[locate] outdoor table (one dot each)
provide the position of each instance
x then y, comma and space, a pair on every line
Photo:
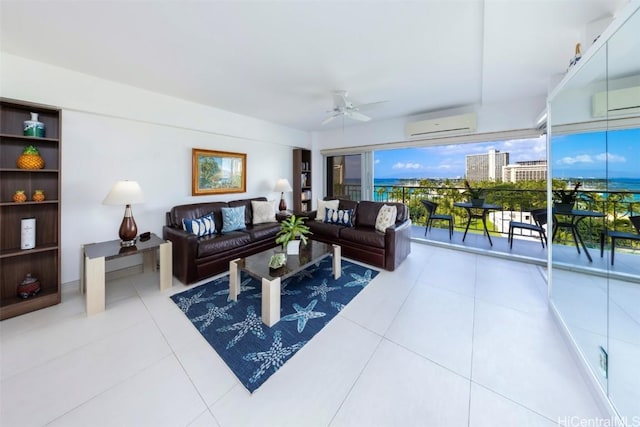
479, 212
575, 217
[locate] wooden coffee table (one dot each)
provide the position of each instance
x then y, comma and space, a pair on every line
257, 266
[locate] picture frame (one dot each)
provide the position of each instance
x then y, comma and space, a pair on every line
217, 172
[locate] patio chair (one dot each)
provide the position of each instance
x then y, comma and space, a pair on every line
432, 216
620, 235
539, 220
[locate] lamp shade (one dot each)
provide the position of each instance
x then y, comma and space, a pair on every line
283, 186
124, 193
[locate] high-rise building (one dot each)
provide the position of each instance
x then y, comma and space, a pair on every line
532, 170
486, 167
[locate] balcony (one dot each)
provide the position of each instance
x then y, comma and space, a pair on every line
616, 206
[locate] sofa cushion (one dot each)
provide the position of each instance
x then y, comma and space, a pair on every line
324, 229
218, 243
367, 214
248, 211
233, 219
263, 211
338, 216
200, 226
322, 205
386, 217
197, 210
263, 231
362, 236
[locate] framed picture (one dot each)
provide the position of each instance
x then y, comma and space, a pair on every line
217, 172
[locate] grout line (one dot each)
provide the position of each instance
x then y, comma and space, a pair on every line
348, 393
514, 402
173, 350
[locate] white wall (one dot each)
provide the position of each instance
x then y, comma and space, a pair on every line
112, 132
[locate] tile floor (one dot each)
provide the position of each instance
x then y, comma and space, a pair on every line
448, 339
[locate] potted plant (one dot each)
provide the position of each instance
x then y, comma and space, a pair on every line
564, 200
476, 195
292, 232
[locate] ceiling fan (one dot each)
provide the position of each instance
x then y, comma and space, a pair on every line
343, 106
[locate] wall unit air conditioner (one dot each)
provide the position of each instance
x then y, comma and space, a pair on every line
619, 102
444, 126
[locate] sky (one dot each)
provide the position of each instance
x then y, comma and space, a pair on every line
448, 161
576, 155
585, 155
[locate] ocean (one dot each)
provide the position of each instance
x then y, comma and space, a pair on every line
612, 185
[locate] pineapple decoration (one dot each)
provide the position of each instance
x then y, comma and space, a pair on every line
38, 196
19, 196
30, 159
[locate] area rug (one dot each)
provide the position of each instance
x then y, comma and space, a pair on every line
235, 330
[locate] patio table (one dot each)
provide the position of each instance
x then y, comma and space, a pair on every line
574, 217
479, 212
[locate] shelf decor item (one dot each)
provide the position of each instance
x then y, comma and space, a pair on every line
19, 196
28, 233
34, 127
29, 287
126, 193
30, 159
38, 196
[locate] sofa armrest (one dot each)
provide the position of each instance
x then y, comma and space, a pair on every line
397, 242
185, 248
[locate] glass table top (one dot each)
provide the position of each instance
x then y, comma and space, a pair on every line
112, 249
257, 265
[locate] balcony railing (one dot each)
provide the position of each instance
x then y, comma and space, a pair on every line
515, 205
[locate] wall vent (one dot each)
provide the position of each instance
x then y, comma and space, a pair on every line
616, 102
452, 125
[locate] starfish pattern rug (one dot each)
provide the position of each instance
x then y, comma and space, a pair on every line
251, 349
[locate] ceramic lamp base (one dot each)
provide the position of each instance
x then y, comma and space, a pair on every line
128, 229
283, 204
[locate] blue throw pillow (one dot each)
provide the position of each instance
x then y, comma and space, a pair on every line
200, 226
338, 216
233, 219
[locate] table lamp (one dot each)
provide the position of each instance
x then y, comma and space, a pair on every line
126, 193
282, 185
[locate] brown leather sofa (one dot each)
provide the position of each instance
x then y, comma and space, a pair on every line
196, 258
362, 241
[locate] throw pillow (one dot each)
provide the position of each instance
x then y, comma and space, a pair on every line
322, 205
202, 226
386, 217
339, 216
232, 219
263, 211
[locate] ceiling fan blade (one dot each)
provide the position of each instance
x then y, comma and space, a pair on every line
368, 105
358, 116
330, 118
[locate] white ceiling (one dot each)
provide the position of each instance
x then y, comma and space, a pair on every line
280, 60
